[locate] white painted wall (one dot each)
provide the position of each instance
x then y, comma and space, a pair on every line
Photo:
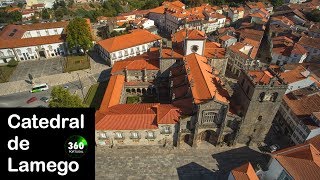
42, 32
190, 43
298, 85
274, 170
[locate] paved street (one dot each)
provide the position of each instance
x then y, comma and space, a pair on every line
37, 68
20, 99
160, 163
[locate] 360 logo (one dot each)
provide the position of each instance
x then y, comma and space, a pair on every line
76, 146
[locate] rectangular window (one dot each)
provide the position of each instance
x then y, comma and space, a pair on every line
150, 135
103, 135
118, 135
134, 135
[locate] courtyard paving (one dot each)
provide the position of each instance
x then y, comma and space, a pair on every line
163, 163
37, 68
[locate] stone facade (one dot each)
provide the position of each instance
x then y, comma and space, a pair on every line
165, 135
259, 105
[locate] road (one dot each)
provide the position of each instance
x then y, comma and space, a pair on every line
20, 99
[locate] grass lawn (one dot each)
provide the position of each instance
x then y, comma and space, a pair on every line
74, 63
95, 95
5, 73
133, 99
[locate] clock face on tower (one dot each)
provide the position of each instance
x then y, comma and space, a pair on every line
194, 48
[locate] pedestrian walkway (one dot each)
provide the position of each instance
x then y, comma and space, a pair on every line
56, 79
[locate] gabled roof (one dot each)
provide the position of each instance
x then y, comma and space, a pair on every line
204, 84
304, 106
293, 75
260, 77
214, 50
226, 37
136, 116
136, 63
310, 42
244, 172
188, 33
301, 161
113, 92
137, 37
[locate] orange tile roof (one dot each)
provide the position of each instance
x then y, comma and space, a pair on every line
7, 40
214, 50
251, 34
191, 33
304, 106
244, 172
226, 37
136, 116
136, 63
260, 77
315, 141
25, 42
253, 5
166, 53
301, 161
135, 38
293, 75
159, 10
113, 93
311, 42
204, 84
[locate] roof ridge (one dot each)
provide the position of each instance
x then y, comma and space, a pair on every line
202, 73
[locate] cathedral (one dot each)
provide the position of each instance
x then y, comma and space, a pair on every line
193, 101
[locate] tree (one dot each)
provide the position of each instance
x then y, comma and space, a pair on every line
78, 34
314, 15
70, 3
58, 14
34, 19
15, 16
277, 3
61, 98
45, 14
20, 4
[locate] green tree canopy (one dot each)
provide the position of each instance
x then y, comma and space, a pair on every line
277, 3
61, 98
314, 15
78, 34
45, 14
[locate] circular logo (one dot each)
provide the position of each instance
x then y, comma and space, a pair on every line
76, 146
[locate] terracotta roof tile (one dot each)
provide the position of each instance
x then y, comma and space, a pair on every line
315, 141
136, 116
304, 106
244, 172
179, 36
204, 85
311, 42
136, 63
135, 38
14, 43
293, 75
301, 161
260, 77
113, 93
214, 50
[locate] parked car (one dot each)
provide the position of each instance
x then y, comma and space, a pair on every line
31, 100
66, 87
274, 147
44, 99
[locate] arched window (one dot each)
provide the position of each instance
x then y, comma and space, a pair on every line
10, 53
260, 118
261, 96
274, 97
18, 51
